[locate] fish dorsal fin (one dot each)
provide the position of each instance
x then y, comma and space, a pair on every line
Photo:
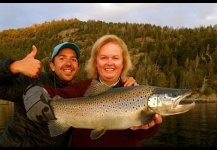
97, 133
96, 88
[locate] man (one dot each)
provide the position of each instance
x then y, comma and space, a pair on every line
16, 76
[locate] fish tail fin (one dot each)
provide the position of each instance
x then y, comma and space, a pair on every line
56, 128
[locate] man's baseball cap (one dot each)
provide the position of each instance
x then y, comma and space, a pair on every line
60, 46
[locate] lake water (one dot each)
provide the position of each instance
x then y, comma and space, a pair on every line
196, 128
6, 112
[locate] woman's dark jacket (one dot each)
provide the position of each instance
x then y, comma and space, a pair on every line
21, 131
112, 138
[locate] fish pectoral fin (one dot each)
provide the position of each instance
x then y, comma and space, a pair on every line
95, 134
147, 116
56, 128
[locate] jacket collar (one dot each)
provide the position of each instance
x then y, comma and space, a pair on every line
113, 85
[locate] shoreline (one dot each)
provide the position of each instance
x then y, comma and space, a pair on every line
200, 100
212, 98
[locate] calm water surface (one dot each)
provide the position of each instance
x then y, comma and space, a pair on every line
6, 112
196, 128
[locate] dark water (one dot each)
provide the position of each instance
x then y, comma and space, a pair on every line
196, 128
6, 112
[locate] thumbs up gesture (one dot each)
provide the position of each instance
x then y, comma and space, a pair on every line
28, 66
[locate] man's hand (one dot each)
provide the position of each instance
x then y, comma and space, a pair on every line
36, 104
28, 66
156, 120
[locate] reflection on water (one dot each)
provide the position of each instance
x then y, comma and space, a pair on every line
6, 111
196, 128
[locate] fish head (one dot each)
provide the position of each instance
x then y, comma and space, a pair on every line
166, 101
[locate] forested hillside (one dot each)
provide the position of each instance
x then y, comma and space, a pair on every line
162, 56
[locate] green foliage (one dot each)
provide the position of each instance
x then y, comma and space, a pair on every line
208, 91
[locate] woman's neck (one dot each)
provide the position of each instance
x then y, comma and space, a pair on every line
111, 84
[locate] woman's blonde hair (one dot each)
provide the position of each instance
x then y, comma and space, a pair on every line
91, 63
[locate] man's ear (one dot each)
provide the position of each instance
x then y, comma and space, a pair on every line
52, 66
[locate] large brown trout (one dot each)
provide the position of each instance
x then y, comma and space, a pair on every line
104, 108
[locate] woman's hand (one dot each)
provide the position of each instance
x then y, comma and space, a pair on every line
156, 120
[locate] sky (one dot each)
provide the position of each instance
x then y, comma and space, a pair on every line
176, 15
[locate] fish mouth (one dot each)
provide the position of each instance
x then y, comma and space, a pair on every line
180, 98
179, 107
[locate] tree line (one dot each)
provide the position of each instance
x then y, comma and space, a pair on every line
162, 56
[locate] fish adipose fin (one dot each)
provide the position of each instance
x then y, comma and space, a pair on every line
56, 128
57, 97
96, 88
97, 133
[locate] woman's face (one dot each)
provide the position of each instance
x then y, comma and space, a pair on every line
109, 63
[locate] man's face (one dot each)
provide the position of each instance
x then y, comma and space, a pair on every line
65, 64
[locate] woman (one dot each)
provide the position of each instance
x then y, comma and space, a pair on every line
109, 63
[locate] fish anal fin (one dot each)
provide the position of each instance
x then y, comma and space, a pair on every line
97, 133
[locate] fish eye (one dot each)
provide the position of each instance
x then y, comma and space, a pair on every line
174, 94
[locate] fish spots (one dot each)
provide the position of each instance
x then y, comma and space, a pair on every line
118, 108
